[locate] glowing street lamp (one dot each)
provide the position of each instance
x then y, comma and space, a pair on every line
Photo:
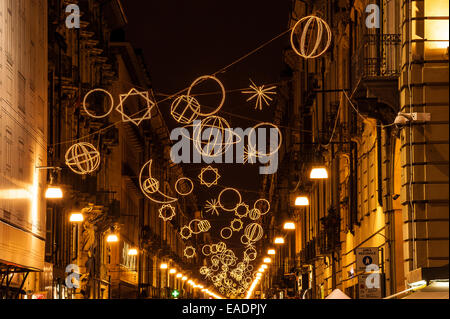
132, 252
289, 226
318, 173
184, 278
279, 240
179, 275
76, 217
271, 252
53, 192
163, 266
267, 260
301, 201
112, 238
172, 271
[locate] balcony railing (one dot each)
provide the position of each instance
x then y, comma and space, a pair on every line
377, 56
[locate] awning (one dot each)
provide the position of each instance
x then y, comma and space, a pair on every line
435, 290
337, 294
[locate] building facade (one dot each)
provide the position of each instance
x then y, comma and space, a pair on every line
23, 146
387, 185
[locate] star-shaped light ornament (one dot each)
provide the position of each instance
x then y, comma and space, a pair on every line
212, 181
212, 206
250, 155
260, 93
135, 118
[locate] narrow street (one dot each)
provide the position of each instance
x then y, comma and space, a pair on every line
183, 151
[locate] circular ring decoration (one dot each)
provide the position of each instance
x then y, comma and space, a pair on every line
223, 233
245, 240
200, 79
252, 149
259, 202
221, 246
180, 180
82, 158
189, 252
233, 190
178, 112
237, 227
191, 228
320, 25
97, 116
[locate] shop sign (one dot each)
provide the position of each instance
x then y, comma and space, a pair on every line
366, 256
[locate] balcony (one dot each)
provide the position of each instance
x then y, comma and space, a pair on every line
375, 72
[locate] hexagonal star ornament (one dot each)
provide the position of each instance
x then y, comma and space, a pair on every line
214, 181
134, 118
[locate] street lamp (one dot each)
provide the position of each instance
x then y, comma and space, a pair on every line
271, 252
53, 191
163, 266
76, 217
301, 201
318, 173
172, 271
132, 252
179, 275
279, 240
267, 260
289, 226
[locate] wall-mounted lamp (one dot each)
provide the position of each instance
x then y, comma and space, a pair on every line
318, 173
301, 201
279, 240
289, 226
76, 217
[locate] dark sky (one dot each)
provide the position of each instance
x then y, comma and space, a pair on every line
184, 39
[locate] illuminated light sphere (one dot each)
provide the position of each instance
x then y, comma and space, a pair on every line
289, 225
312, 33
254, 214
184, 109
150, 185
301, 201
213, 136
318, 173
53, 192
82, 158
254, 232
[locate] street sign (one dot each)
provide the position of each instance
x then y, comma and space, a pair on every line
364, 291
175, 293
366, 256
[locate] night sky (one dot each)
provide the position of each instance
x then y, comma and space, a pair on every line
184, 39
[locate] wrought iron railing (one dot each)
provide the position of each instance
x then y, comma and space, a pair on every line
377, 55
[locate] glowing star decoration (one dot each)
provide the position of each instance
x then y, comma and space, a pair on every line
150, 186
213, 180
189, 252
261, 94
184, 108
98, 116
236, 224
82, 158
166, 212
135, 119
187, 189
249, 156
185, 232
212, 206
308, 35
